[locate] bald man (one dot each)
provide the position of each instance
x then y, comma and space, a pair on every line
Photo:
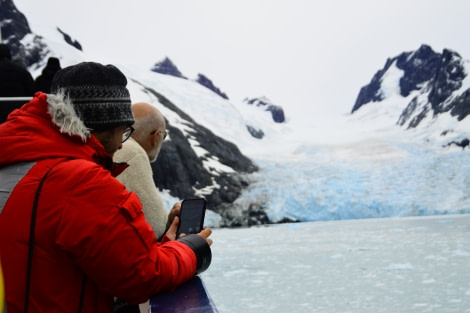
139, 151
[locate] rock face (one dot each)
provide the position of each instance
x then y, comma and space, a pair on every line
256, 133
219, 175
206, 82
186, 175
277, 112
14, 27
434, 81
437, 75
167, 67
14, 23
264, 105
69, 40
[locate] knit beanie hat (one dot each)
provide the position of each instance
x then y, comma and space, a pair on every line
98, 94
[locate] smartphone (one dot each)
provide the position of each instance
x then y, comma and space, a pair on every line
191, 216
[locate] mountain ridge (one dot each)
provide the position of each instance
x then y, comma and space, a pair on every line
182, 170
436, 84
255, 171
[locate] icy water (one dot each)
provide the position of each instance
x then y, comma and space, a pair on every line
392, 265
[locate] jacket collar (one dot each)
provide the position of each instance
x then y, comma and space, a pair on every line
65, 118
48, 127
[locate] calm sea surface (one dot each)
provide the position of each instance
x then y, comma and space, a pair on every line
391, 265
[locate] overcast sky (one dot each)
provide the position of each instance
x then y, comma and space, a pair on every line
298, 53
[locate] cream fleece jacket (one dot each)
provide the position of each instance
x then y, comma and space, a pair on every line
138, 178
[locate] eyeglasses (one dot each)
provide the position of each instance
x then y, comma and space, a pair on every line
164, 132
127, 133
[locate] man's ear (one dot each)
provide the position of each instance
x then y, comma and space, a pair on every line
154, 139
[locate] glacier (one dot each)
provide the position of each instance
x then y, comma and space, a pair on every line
331, 167
324, 166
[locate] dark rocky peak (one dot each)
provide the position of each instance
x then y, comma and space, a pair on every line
449, 77
276, 111
419, 66
430, 84
13, 23
372, 92
14, 27
442, 71
167, 67
69, 40
440, 92
206, 82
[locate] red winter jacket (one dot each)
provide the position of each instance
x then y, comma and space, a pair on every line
90, 231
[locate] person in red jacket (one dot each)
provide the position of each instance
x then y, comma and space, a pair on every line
71, 236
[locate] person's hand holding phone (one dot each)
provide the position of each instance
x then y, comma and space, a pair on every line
192, 214
171, 233
175, 211
190, 220
205, 233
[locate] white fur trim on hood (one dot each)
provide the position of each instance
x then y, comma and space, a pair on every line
64, 116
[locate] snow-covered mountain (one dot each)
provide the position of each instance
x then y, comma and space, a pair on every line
431, 88
261, 166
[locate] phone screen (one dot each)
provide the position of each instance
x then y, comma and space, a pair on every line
192, 216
